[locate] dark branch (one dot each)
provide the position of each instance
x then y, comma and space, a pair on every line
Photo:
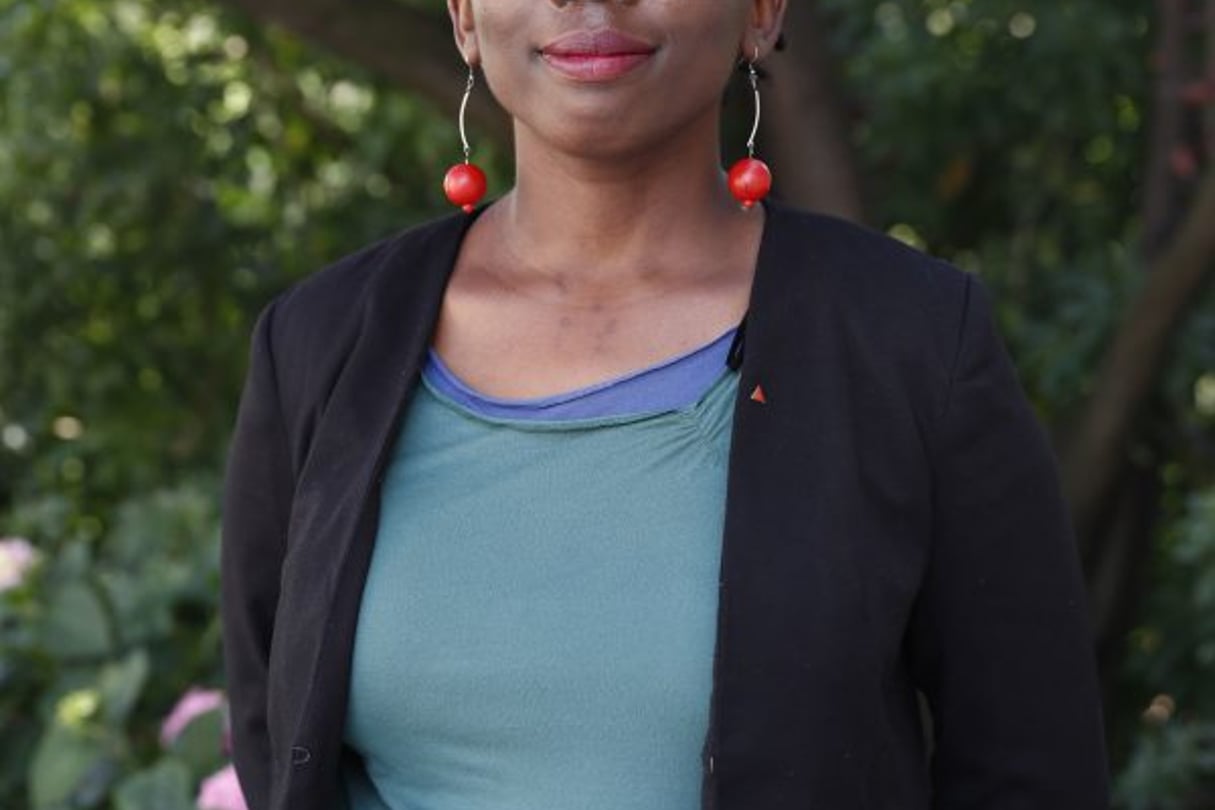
412, 48
1129, 370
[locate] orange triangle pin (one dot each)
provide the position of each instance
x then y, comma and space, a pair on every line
758, 395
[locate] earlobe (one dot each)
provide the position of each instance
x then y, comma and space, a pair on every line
471, 51
753, 49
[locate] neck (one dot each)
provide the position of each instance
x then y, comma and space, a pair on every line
619, 220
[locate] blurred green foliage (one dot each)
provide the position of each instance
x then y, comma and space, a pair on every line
97, 643
165, 166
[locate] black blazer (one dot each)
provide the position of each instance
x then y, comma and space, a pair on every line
894, 523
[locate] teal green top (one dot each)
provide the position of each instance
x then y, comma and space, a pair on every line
538, 621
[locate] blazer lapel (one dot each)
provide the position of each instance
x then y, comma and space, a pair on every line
798, 639
775, 564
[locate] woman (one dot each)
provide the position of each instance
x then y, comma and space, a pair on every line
518, 514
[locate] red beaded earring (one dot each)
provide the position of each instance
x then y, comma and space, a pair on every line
465, 183
750, 178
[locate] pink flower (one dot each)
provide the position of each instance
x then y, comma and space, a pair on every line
17, 556
221, 791
193, 703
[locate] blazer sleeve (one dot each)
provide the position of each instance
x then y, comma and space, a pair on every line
257, 493
1000, 639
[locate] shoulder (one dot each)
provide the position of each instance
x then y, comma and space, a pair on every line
857, 301
333, 298
310, 330
878, 288
859, 263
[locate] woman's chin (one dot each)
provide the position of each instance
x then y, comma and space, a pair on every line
594, 143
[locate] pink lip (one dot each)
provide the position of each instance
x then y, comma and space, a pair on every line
596, 56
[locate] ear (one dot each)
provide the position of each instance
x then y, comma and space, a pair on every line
464, 27
767, 18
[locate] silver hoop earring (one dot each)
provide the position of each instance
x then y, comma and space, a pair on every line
750, 179
465, 183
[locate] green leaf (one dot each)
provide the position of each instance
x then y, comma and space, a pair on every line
72, 767
76, 624
200, 744
120, 685
164, 786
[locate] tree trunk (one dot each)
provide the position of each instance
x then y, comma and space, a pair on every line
1093, 455
806, 132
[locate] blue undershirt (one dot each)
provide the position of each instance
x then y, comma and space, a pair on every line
669, 385
538, 622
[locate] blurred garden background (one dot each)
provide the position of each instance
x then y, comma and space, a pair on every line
168, 165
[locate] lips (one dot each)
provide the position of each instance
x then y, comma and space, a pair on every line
596, 56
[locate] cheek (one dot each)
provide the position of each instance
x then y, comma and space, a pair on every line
702, 60
707, 43
505, 47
